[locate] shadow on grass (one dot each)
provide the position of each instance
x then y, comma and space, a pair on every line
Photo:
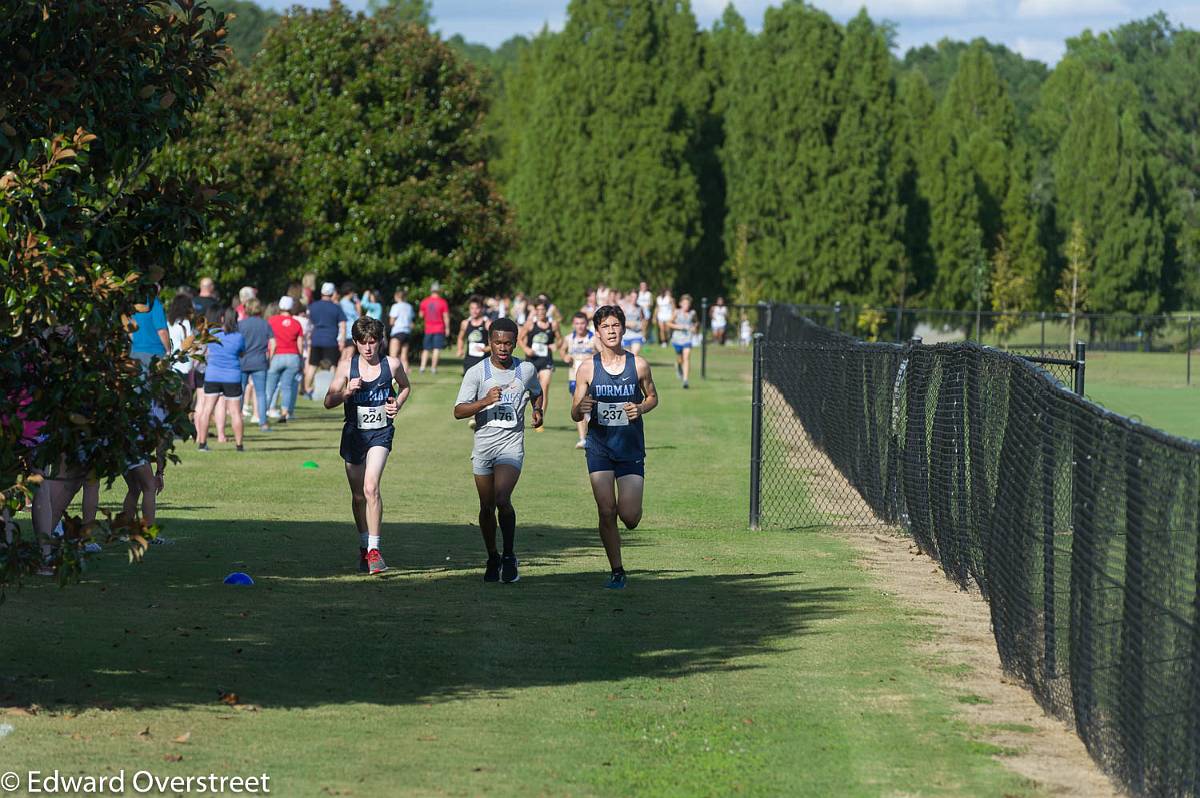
312, 631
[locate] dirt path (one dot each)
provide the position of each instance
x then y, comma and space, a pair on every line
963, 651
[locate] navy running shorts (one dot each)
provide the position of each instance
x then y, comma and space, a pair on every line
596, 461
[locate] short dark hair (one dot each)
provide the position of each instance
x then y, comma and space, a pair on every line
604, 312
347, 288
366, 328
580, 315
476, 299
503, 325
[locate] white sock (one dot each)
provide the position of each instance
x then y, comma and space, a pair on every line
372, 542
362, 540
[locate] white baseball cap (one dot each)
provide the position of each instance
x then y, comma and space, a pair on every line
286, 303
327, 289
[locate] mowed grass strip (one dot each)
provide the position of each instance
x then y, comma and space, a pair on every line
759, 663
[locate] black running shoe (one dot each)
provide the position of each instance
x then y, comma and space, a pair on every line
492, 573
508, 568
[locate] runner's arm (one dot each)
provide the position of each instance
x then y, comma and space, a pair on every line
337, 387
462, 332
649, 392
581, 402
465, 407
401, 378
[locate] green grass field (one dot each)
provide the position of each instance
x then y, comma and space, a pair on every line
757, 663
1151, 387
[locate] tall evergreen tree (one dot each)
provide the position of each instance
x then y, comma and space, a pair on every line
915, 107
603, 188
981, 122
778, 155
1103, 178
863, 197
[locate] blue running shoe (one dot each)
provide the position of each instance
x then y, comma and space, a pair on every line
616, 581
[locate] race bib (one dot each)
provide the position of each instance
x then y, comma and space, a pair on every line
541, 350
502, 416
611, 414
372, 417
475, 349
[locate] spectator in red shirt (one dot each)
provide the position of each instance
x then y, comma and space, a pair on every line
284, 353
435, 313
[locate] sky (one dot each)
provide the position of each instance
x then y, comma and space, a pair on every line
1035, 28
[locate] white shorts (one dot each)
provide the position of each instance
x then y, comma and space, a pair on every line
633, 339
485, 459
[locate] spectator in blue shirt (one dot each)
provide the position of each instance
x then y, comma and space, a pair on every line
327, 337
223, 379
349, 304
150, 339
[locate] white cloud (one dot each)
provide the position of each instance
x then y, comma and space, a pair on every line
1068, 9
912, 9
1048, 51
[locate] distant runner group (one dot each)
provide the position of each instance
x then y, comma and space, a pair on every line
261, 357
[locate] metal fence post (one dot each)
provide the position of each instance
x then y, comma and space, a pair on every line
837, 316
899, 323
1080, 365
764, 318
1189, 352
703, 337
756, 432
1043, 333
1049, 619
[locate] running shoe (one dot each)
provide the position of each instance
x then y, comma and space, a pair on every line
492, 572
272, 414
508, 568
685, 385
159, 540
679, 371
241, 448
540, 429
92, 548
362, 562
616, 581
203, 448
264, 428
375, 563
283, 419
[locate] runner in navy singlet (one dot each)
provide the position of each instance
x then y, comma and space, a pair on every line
613, 391
472, 335
363, 383
538, 340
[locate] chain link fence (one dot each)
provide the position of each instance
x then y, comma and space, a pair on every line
1081, 528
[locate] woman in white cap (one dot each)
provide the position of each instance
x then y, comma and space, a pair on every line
284, 354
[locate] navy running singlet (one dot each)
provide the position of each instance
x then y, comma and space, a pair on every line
367, 423
610, 432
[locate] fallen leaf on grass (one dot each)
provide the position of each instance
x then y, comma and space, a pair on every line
247, 707
427, 738
183, 738
22, 712
172, 757
144, 733
229, 698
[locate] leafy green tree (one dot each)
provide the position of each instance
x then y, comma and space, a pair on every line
938, 63
862, 191
915, 108
357, 150
1152, 67
248, 23
778, 154
1071, 296
947, 179
603, 186
263, 241
1010, 291
1103, 179
980, 123
89, 94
